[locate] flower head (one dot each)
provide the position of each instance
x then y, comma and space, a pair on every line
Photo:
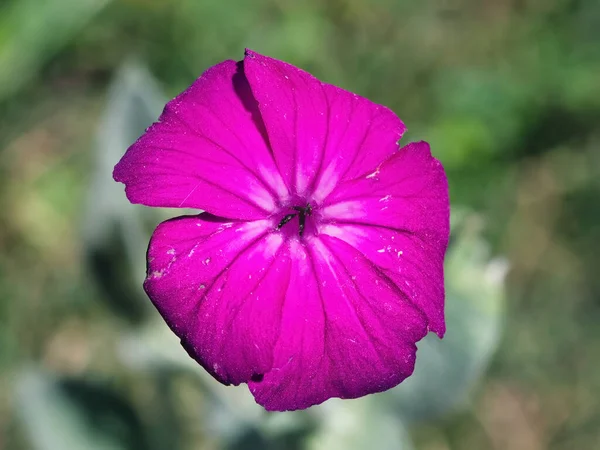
318, 262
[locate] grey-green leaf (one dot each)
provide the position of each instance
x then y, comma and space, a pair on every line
67, 414
32, 31
446, 370
115, 232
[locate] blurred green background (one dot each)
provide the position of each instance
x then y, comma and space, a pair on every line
506, 91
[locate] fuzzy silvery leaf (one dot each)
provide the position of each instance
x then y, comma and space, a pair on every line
446, 371
115, 234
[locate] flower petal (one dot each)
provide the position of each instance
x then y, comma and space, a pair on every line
398, 217
207, 151
346, 331
319, 133
294, 108
220, 285
362, 134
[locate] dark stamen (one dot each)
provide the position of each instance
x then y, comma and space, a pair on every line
301, 222
303, 211
285, 220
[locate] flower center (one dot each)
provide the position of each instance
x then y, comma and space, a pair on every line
302, 213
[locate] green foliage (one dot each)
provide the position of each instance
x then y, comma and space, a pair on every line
509, 97
447, 370
61, 414
32, 31
115, 236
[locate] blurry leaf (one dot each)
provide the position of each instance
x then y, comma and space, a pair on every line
32, 31
480, 115
462, 140
357, 425
230, 30
250, 440
114, 233
254, 439
447, 369
298, 35
230, 412
73, 414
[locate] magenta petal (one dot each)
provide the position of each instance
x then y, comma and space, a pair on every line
319, 263
294, 108
346, 330
207, 152
398, 217
361, 135
319, 133
220, 286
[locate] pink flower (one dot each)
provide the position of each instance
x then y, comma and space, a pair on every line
318, 263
